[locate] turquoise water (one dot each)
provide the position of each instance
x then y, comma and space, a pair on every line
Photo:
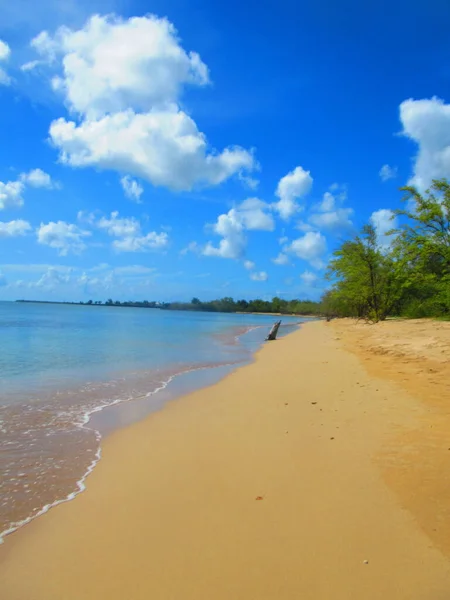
47, 345
65, 368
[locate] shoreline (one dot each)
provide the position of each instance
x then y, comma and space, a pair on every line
103, 419
269, 484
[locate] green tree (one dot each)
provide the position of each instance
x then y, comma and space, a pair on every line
276, 304
365, 282
422, 250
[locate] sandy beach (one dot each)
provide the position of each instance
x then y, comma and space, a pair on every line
320, 471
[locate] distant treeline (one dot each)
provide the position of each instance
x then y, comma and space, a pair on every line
227, 305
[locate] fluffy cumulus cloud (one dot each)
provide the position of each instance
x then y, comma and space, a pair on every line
427, 123
330, 215
310, 247
128, 233
384, 221
11, 192
259, 276
38, 178
249, 264
14, 228
333, 220
5, 52
252, 214
65, 237
123, 79
131, 188
233, 242
291, 187
135, 62
281, 259
387, 172
119, 227
328, 202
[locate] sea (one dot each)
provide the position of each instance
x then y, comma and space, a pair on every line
71, 374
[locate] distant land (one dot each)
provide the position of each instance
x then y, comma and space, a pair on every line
226, 305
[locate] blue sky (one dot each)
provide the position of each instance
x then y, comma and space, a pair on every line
161, 150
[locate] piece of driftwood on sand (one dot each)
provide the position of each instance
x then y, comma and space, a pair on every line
273, 332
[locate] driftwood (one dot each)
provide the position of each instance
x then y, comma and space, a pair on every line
273, 332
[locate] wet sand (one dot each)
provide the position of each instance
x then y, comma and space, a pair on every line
313, 473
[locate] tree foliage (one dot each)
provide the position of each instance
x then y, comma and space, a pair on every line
410, 277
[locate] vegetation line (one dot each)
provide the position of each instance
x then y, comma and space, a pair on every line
407, 273
227, 305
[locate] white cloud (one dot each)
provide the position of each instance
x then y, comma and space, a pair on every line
45, 46
249, 264
330, 216
11, 194
64, 237
335, 220
191, 247
143, 243
302, 226
309, 278
131, 188
233, 242
339, 191
119, 227
111, 64
124, 78
281, 259
129, 233
30, 66
292, 186
5, 79
99, 278
253, 215
384, 220
5, 52
52, 278
86, 217
38, 178
327, 203
250, 182
388, 172
310, 247
14, 228
427, 122
259, 276
164, 147
249, 215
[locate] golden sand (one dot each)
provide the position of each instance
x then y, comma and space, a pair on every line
280, 482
